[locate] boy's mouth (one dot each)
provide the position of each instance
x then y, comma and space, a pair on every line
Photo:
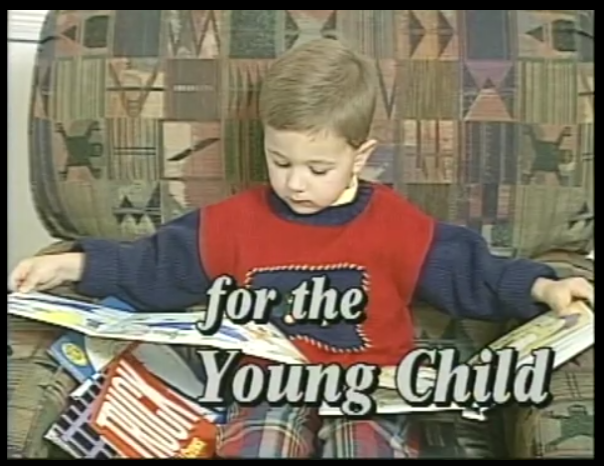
300, 202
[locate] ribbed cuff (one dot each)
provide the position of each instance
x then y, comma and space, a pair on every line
100, 276
515, 288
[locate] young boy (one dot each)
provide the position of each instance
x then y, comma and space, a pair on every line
316, 218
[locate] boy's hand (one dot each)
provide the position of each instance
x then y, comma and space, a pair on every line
46, 272
560, 294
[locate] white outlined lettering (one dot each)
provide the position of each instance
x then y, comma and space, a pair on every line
313, 301
295, 385
316, 302
497, 380
240, 305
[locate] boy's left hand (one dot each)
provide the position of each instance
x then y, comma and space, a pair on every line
560, 294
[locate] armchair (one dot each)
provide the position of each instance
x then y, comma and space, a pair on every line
484, 120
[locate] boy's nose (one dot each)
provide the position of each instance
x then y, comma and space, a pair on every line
295, 183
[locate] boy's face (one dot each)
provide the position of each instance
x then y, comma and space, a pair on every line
311, 171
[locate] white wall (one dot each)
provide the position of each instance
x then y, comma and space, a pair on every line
26, 235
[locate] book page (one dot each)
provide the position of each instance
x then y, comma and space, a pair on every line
262, 341
75, 315
568, 335
548, 330
176, 328
388, 376
390, 402
172, 328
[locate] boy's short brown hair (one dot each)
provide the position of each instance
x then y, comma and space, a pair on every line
321, 86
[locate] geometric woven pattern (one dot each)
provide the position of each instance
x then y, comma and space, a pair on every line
565, 428
141, 115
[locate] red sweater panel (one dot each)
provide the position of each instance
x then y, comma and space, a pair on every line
381, 250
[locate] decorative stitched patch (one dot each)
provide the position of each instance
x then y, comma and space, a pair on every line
341, 337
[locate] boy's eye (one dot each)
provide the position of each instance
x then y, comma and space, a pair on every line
316, 171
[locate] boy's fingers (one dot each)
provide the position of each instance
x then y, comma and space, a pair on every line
30, 282
587, 292
583, 289
18, 276
561, 303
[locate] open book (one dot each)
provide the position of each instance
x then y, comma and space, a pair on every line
568, 336
174, 328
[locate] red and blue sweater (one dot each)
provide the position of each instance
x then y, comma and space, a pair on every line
379, 242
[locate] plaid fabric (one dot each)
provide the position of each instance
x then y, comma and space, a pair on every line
292, 432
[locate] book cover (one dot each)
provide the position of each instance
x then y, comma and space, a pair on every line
143, 418
84, 357
73, 433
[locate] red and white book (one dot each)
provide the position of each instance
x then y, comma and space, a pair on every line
141, 417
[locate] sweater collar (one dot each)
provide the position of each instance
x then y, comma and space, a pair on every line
352, 203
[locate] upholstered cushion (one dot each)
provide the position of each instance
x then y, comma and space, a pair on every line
37, 389
566, 427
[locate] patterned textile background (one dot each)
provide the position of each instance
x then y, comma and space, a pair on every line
486, 116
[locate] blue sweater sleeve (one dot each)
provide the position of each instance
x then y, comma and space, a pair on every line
462, 278
160, 272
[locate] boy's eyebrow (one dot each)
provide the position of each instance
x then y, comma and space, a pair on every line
321, 162
314, 161
276, 152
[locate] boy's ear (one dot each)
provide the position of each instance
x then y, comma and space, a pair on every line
363, 154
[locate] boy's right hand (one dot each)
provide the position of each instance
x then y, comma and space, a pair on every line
46, 272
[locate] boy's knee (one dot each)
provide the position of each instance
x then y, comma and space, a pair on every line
239, 440
380, 438
267, 433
